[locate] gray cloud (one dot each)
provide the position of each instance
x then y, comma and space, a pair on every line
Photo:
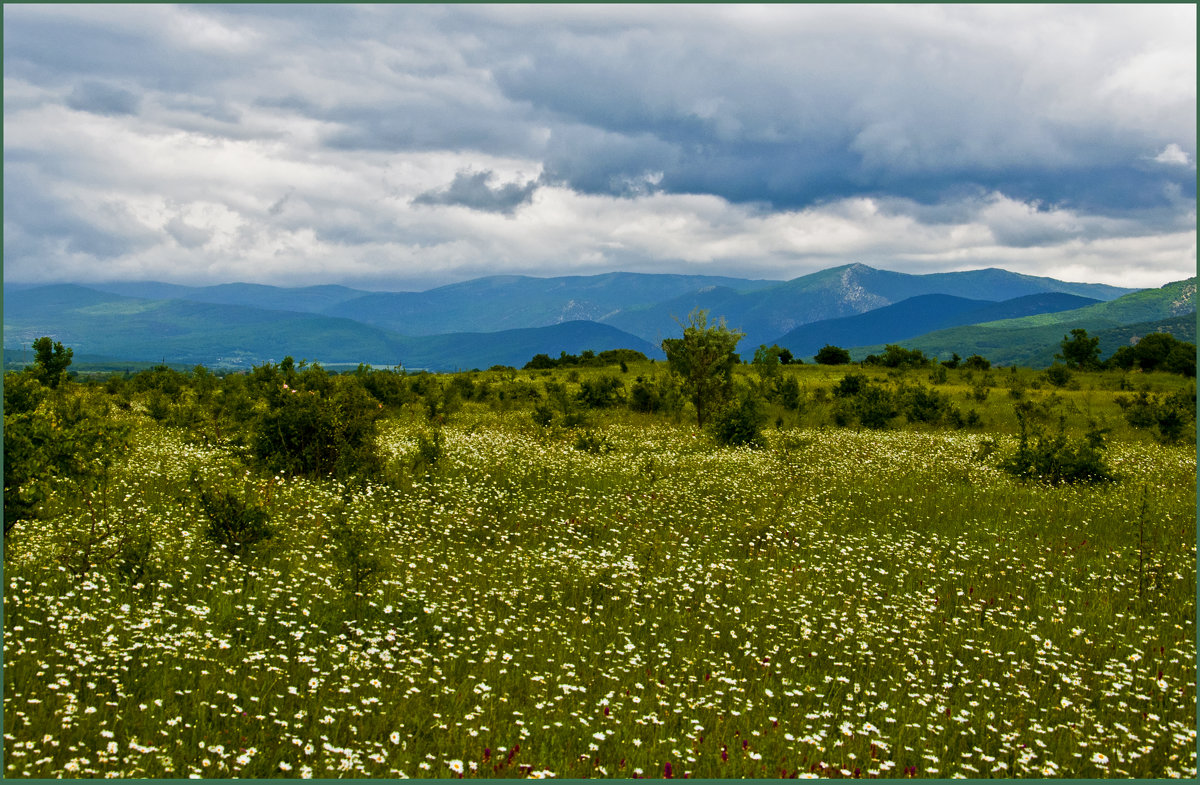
773, 138
471, 189
101, 98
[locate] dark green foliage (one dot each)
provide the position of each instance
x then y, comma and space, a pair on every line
953, 362
162, 378
832, 355
1058, 374
592, 441
357, 559
1079, 350
600, 392
740, 424
875, 406
1158, 351
389, 387
939, 374
542, 414
768, 361
704, 359
850, 385
921, 404
440, 402
28, 436
896, 356
861, 401
235, 522
1172, 417
429, 452
585, 359
51, 361
976, 363
55, 434
313, 433
1053, 457
787, 393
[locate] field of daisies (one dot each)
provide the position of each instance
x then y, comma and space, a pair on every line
836, 603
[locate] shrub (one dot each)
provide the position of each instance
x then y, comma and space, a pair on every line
234, 522
788, 393
850, 385
592, 441
896, 356
600, 392
976, 363
1055, 459
1172, 417
741, 423
644, 397
875, 407
921, 404
357, 561
310, 434
1058, 374
429, 452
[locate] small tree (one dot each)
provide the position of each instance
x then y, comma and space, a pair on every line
832, 355
767, 360
1080, 351
51, 361
704, 359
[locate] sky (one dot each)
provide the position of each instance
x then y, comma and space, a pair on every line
403, 147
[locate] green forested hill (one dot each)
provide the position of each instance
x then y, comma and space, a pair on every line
1034, 340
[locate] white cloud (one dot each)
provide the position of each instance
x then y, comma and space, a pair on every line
1174, 155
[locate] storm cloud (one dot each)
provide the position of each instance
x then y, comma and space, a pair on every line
472, 190
398, 146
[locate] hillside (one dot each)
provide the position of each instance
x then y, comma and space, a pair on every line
512, 301
189, 332
1034, 340
918, 315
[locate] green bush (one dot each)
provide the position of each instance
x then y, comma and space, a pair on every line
311, 434
741, 423
600, 392
234, 522
1172, 417
1054, 458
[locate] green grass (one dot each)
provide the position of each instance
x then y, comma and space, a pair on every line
840, 601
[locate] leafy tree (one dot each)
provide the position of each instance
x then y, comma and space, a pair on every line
953, 362
832, 355
1080, 351
704, 359
51, 361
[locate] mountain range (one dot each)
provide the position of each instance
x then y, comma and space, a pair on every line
505, 320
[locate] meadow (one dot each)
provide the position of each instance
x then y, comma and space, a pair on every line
612, 593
